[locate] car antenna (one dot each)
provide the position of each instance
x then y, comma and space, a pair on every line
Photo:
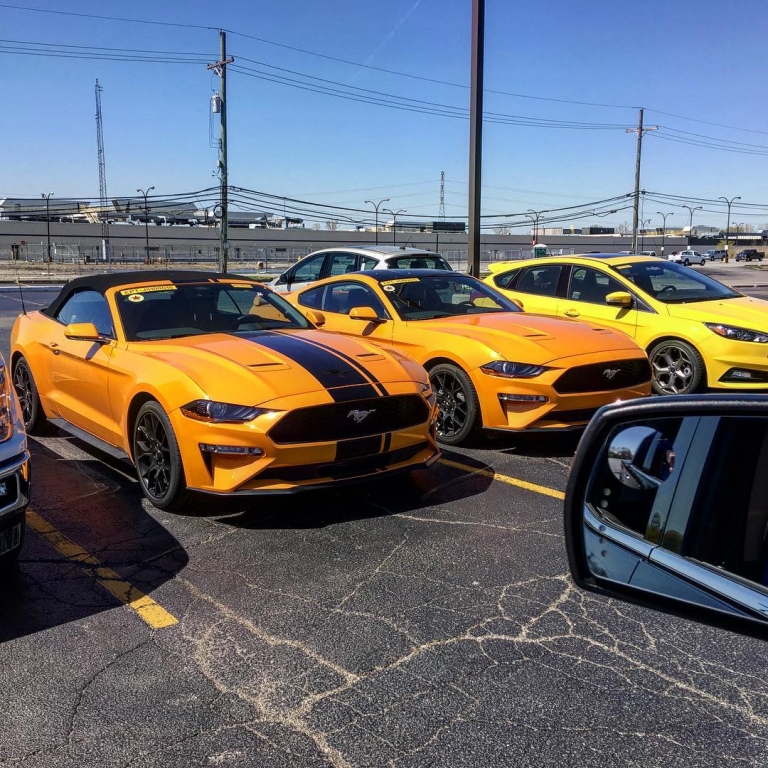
405, 245
21, 293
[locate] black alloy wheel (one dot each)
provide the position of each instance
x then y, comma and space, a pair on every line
32, 413
459, 410
157, 458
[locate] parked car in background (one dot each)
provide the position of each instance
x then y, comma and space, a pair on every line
338, 261
492, 366
749, 254
687, 258
716, 255
214, 383
698, 333
648, 253
14, 470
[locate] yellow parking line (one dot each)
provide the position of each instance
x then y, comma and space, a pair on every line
152, 613
505, 479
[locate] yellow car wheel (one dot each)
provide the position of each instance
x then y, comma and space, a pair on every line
459, 412
678, 368
157, 458
35, 422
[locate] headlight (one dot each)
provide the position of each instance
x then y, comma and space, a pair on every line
737, 334
513, 370
6, 405
221, 413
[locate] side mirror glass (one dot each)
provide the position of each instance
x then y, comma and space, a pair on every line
667, 505
82, 332
622, 298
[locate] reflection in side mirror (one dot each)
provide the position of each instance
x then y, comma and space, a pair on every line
667, 504
641, 457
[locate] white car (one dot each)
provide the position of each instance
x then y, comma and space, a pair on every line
337, 261
687, 258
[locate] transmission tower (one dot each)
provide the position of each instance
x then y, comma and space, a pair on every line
102, 174
441, 214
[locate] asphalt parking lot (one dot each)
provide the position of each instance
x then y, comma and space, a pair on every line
428, 622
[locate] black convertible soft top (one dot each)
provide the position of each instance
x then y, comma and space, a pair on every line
103, 282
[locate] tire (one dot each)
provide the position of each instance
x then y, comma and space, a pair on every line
702, 262
8, 560
157, 458
459, 415
678, 368
687, 263
35, 422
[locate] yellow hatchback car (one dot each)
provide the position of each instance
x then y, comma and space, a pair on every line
491, 365
696, 331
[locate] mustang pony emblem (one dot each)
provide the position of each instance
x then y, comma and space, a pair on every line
359, 415
609, 373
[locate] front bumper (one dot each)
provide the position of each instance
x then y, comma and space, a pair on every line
14, 498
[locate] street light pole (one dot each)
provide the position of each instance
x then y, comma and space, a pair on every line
394, 221
535, 217
376, 206
643, 224
728, 224
664, 228
48, 221
690, 223
146, 223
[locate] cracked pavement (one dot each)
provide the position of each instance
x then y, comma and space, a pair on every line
422, 623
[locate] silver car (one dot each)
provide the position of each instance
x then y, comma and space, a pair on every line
337, 261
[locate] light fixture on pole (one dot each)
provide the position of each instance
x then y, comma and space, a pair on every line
690, 223
643, 224
394, 221
146, 223
728, 224
535, 219
376, 206
664, 228
48, 221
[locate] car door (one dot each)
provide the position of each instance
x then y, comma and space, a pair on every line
585, 300
301, 275
337, 300
537, 287
80, 370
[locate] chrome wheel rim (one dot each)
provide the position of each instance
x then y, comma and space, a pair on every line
452, 404
672, 369
22, 383
153, 455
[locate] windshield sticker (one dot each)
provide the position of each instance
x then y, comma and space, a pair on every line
149, 289
241, 285
135, 297
385, 283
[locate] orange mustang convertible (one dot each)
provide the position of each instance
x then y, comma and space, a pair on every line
491, 365
214, 383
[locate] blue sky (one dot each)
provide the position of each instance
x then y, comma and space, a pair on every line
694, 65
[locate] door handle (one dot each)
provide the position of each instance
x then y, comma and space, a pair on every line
572, 312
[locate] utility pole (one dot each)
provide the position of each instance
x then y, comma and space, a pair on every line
48, 221
475, 136
102, 178
636, 213
441, 213
220, 68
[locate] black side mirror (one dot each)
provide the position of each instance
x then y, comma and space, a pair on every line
667, 506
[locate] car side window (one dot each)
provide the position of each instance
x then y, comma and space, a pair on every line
541, 281
87, 307
309, 270
592, 285
507, 279
366, 262
341, 263
340, 298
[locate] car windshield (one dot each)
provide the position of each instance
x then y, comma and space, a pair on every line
673, 283
429, 296
170, 311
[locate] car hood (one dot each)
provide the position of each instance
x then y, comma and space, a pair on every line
268, 365
743, 311
530, 337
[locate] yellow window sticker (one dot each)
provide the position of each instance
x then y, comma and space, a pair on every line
241, 285
401, 280
148, 289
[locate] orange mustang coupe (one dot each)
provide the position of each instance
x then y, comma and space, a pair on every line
214, 383
491, 365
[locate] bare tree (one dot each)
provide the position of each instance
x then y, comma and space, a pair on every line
623, 228
332, 224
501, 230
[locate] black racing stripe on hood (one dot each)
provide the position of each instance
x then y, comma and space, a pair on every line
355, 363
332, 371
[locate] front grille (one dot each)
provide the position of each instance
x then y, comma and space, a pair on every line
342, 421
569, 417
339, 470
599, 377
